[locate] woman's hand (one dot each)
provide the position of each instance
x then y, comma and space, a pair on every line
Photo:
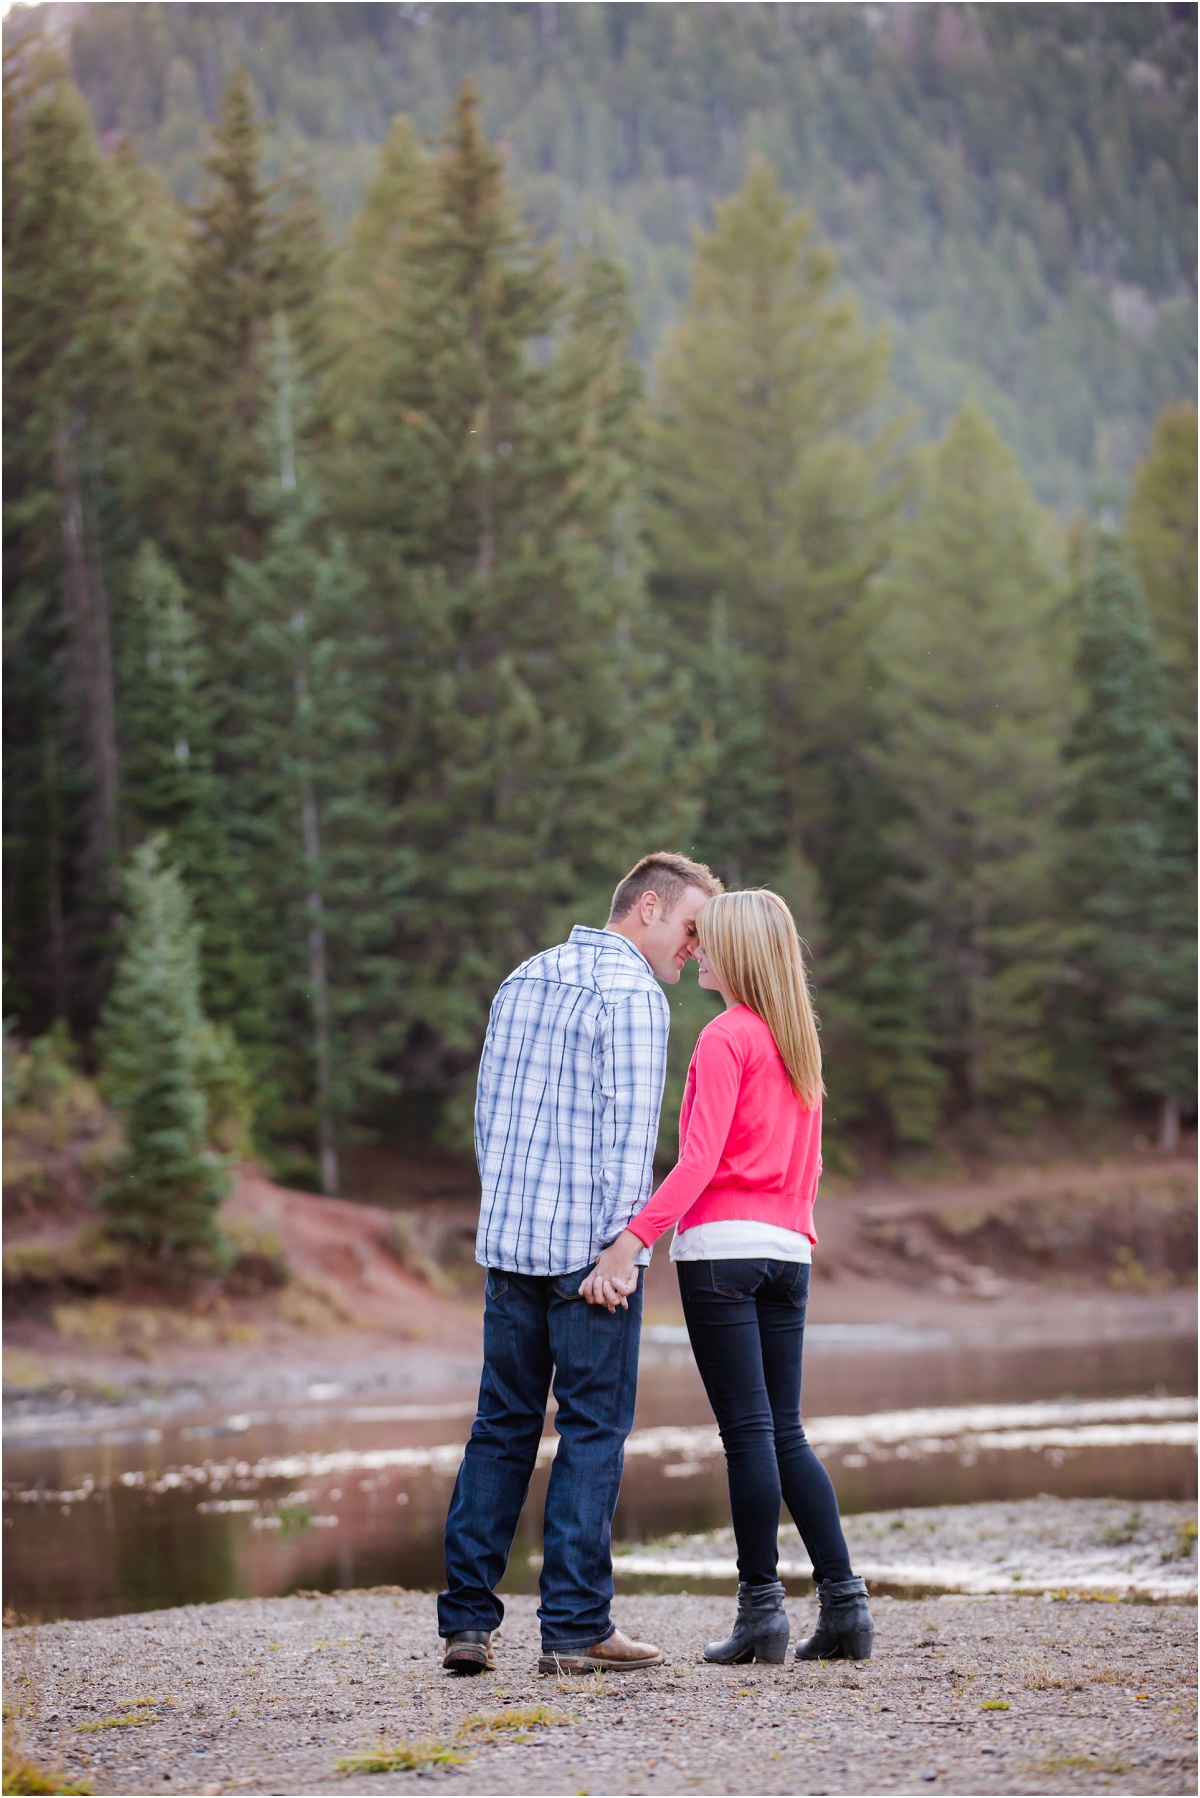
615, 1274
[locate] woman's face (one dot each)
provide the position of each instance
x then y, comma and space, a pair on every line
709, 980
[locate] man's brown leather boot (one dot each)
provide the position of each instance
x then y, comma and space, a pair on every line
469, 1651
616, 1654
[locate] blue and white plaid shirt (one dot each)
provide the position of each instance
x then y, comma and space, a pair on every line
566, 1110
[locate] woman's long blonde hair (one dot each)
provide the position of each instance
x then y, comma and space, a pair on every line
755, 953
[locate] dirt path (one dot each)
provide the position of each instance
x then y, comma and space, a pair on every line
968, 1695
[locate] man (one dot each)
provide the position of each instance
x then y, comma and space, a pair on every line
566, 1119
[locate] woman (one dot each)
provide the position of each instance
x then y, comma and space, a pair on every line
742, 1197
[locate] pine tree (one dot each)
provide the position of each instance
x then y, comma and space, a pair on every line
165, 713
167, 710
1128, 866
1160, 529
487, 477
71, 275
252, 250
774, 493
306, 814
975, 697
770, 498
168, 1188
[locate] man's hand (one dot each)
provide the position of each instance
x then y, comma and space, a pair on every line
615, 1274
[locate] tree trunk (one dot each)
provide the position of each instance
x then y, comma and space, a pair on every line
59, 966
318, 970
1168, 1128
90, 648
319, 975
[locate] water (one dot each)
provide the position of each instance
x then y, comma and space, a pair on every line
133, 1514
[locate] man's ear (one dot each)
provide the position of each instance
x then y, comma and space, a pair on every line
650, 906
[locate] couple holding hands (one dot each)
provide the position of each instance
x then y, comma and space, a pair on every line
566, 1121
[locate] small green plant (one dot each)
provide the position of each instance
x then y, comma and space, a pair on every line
1042, 1676
1126, 1531
1087, 1763
995, 1704
22, 1774
401, 1757
1184, 1543
135, 1719
473, 1732
493, 1726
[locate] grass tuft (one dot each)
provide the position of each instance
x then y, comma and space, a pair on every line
995, 1704
401, 1757
473, 1732
1184, 1543
1086, 1763
22, 1774
492, 1726
1125, 1531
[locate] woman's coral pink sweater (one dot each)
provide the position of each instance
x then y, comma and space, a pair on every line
748, 1146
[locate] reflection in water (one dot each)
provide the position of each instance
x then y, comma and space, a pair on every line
107, 1521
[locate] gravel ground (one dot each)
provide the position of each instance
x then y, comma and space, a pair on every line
965, 1694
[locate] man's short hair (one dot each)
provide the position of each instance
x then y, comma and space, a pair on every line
667, 875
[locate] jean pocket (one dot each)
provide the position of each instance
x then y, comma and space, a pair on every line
794, 1285
734, 1279
567, 1285
497, 1283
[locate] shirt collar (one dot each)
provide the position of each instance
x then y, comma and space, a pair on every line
587, 933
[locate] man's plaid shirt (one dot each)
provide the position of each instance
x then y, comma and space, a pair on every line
566, 1111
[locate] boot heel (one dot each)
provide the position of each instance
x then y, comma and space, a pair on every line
772, 1650
857, 1647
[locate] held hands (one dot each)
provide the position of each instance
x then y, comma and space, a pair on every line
615, 1274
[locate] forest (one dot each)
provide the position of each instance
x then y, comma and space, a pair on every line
372, 604
1010, 189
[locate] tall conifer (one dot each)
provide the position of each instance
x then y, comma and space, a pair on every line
251, 251
1128, 867
168, 1186
71, 279
487, 475
306, 816
975, 704
770, 497
1160, 529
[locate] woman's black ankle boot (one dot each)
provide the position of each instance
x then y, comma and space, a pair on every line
761, 1631
845, 1628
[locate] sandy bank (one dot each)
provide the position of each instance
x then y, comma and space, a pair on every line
968, 1695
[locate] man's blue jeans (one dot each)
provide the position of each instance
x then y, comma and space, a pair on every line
537, 1329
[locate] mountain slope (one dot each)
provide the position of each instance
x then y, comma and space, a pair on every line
1013, 187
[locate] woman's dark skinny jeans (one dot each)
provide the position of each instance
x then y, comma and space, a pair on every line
746, 1323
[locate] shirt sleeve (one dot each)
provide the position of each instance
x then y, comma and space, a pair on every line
483, 1088
633, 1067
718, 1070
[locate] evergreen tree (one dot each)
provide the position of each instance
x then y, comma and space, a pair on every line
976, 685
166, 727
251, 251
1160, 529
168, 1187
1128, 866
770, 502
486, 473
774, 493
71, 274
167, 708
306, 814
